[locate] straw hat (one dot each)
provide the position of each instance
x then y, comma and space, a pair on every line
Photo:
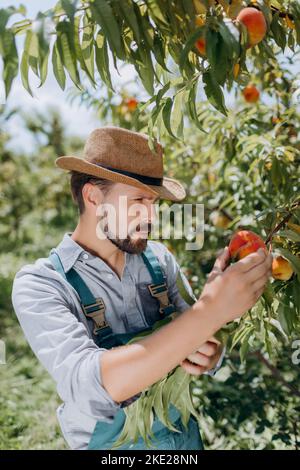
124, 156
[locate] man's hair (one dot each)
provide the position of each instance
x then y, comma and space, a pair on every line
78, 180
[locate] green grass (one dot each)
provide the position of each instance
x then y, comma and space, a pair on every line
28, 399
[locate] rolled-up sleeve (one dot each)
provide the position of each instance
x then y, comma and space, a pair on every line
61, 343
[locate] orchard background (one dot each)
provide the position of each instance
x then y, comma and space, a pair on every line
221, 93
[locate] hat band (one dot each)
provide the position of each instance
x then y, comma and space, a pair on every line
143, 179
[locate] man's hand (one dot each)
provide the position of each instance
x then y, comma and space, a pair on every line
204, 359
232, 290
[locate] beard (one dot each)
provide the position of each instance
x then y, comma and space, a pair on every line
128, 244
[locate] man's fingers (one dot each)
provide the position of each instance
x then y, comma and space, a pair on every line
214, 340
208, 349
222, 260
258, 271
258, 293
192, 368
201, 359
260, 282
250, 261
267, 262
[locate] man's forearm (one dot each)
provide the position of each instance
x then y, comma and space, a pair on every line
130, 369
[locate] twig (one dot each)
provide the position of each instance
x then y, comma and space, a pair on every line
282, 223
275, 372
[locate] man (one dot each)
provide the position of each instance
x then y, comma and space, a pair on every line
94, 381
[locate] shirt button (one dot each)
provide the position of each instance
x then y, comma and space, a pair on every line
110, 276
85, 256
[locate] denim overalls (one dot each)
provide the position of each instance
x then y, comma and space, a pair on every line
106, 434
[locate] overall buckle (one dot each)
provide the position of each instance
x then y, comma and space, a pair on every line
160, 291
96, 312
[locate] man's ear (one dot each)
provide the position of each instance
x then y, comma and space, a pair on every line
92, 194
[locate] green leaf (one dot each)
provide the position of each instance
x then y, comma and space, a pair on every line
58, 68
105, 17
66, 49
177, 116
278, 31
88, 49
185, 290
145, 70
10, 59
42, 49
87, 64
166, 115
190, 44
5, 14
44, 68
161, 92
33, 54
214, 92
25, 62
285, 319
159, 51
151, 122
70, 8
102, 60
217, 55
290, 235
128, 12
191, 105
245, 346
240, 334
161, 406
146, 28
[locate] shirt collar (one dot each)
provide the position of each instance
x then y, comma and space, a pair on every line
69, 252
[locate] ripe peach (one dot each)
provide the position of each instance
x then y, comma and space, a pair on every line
199, 21
131, 104
281, 268
290, 24
201, 46
243, 243
255, 23
251, 94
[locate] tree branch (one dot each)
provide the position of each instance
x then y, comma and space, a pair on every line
282, 222
275, 372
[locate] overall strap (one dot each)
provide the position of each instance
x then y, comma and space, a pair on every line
93, 308
158, 288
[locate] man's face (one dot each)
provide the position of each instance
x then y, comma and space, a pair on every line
126, 216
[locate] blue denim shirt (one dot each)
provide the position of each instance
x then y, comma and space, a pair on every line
49, 312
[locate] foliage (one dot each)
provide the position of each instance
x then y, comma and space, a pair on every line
81, 39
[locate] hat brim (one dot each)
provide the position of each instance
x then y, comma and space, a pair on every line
170, 189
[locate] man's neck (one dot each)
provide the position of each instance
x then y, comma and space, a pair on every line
85, 235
